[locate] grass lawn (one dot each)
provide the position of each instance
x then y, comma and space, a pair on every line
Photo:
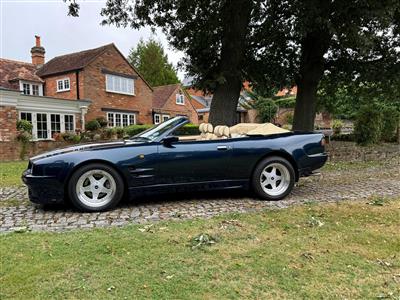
10, 172
347, 250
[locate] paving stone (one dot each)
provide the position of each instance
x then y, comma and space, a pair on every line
332, 186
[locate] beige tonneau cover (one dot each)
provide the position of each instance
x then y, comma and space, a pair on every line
266, 129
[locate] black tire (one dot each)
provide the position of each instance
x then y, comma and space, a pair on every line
112, 178
285, 171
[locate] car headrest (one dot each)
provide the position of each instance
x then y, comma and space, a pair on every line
201, 127
224, 131
216, 130
209, 128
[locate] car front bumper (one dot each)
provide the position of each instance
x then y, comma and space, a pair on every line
43, 189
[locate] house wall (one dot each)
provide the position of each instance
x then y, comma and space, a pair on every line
171, 108
50, 86
8, 123
95, 89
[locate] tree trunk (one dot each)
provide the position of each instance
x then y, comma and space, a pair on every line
314, 46
235, 20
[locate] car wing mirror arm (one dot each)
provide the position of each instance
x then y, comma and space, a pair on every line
169, 140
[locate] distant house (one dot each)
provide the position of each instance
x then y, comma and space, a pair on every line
64, 93
170, 101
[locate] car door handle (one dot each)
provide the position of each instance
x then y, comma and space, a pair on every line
222, 148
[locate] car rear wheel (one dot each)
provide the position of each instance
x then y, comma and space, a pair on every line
273, 178
95, 187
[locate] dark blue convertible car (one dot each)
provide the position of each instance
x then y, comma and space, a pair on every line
95, 177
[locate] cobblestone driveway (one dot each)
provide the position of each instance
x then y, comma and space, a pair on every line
16, 214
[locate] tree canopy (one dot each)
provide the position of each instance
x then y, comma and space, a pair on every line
271, 44
151, 61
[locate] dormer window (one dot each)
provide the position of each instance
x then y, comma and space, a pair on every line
29, 88
63, 85
180, 99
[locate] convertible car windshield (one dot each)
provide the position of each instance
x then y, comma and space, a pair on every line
162, 129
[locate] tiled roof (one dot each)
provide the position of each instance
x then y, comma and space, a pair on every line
162, 93
71, 62
205, 101
11, 71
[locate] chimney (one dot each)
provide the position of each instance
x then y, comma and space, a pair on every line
37, 53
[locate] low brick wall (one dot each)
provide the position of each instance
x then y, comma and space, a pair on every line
338, 151
349, 151
11, 150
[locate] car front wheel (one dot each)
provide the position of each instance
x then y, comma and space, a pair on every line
273, 178
95, 187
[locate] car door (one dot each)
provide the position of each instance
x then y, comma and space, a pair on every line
194, 161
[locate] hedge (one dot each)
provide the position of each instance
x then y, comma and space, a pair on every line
135, 129
188, 129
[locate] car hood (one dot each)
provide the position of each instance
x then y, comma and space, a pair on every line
82, 147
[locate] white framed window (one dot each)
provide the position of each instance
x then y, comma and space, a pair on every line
69, 123
26, 88
165, 118
157, 118
55, 122
63, 85
180, 99
120, 85
117, 119
45, 124
41, 126
29, 88
35, 89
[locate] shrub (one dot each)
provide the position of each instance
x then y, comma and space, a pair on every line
102, 121
368, 125
337, 126
92, 125
23, 137
188, 129
289, 118
24, 125
109, 133
71, 137
267, 109
390, 122
135, 129
120, 132
76, 138
287, 102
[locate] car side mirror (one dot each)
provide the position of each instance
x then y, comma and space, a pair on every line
169, 140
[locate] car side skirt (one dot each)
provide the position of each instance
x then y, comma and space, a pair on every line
189, 187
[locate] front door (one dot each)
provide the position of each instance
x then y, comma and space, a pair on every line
194, 161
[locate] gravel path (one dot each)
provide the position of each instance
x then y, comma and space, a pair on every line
16, 214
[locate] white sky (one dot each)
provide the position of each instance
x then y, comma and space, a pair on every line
21, 20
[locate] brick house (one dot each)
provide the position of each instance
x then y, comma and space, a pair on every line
104, 76
170, 101
64, 93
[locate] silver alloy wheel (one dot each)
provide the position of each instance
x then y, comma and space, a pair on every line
275, 179
95, 188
